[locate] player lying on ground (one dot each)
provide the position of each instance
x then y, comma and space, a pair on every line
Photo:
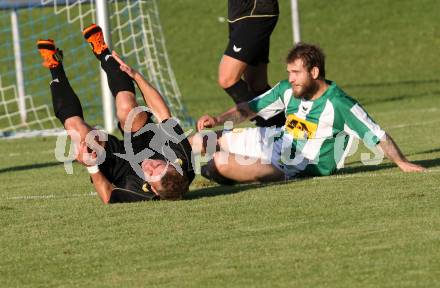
163, 149
317, 111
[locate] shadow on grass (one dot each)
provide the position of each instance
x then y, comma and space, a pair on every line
226, 190
428, 163
29, 167
394, 98
393, 83
427, 151
399, 97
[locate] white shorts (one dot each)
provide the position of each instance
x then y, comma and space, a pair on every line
258, 143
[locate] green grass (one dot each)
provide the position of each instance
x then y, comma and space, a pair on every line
367, 226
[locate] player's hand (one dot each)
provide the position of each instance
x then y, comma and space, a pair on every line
124, 67
410, 167
85, 156
206, 121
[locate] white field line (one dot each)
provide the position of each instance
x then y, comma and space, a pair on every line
400, 111
343, 176
40, 197
413, 124
31, 153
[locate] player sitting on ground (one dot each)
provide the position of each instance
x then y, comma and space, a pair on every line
317, 112
165, 152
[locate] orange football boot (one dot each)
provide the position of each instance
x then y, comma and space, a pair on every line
51, 55
95, 37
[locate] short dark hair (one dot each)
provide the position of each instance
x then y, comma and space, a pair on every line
174, 185
311, 55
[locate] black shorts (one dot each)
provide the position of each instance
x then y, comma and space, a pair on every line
249, 39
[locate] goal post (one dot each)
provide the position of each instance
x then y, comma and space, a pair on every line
108, 106
134, 31
295, 21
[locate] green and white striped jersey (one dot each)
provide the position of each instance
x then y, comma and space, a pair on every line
316, 131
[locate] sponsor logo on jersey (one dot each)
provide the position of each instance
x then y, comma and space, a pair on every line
236, 49
300, 129
178, 161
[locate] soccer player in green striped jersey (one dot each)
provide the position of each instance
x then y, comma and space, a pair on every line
313, 142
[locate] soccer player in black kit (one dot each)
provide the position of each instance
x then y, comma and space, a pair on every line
153, 162
243, 68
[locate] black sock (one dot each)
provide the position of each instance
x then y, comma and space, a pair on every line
117, 79
239, 92
58, 72
210, 172
65, 102
108, 64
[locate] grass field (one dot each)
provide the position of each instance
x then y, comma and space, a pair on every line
367, 226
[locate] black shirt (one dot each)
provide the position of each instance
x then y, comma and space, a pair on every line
164, 141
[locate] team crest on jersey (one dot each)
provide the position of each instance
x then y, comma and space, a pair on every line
300, 129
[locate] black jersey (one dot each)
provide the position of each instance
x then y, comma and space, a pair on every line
238, 9
174, 137
168, 142
164, 141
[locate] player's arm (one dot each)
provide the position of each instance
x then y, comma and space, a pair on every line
152, 97
236, 114
102, 186
266, 105
372, 134
392, 151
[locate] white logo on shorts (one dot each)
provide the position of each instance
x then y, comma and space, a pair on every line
236, 49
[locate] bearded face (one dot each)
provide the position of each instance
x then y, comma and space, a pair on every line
302, 81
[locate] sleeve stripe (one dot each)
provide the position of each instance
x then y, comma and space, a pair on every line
362, 116
287, 96
268, 104
272, 109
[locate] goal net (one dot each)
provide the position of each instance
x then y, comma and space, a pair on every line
136, 34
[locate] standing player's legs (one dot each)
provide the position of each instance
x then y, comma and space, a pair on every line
247, 56
256, 77
234, 63
229, 78
120, 84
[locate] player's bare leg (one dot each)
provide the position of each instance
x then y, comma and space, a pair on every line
125, 103
229, 78
230, 167
230, 71
200, 141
